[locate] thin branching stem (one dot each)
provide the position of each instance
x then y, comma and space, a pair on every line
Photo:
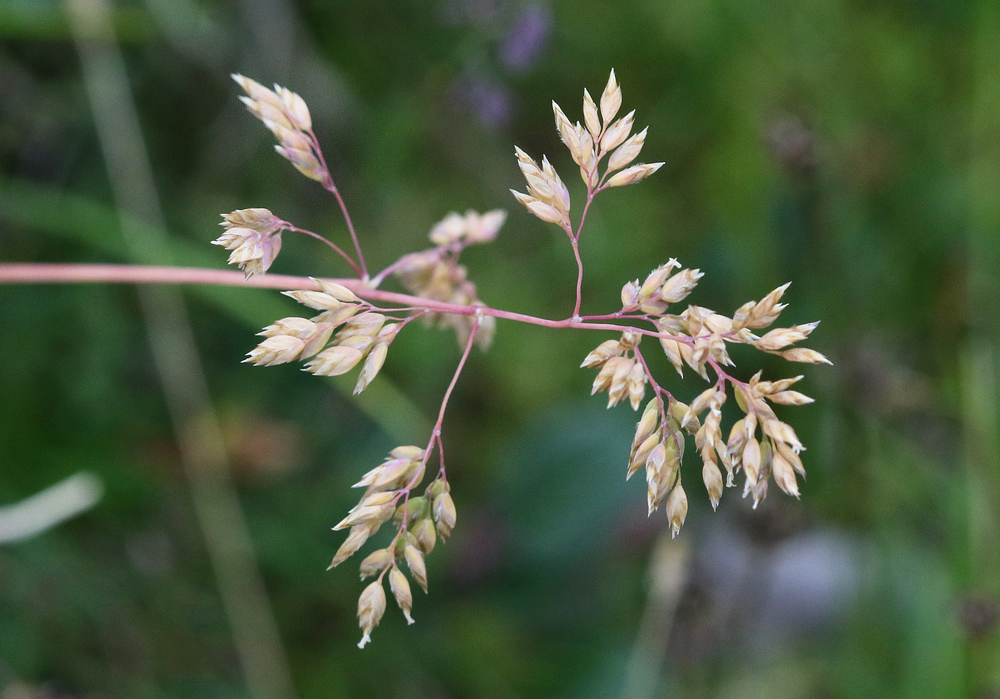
332, 189
574, 240
579, 278
354, 235
333, 246
436, 432
329, 186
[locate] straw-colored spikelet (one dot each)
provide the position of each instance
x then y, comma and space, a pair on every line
401, 591
375, 562
415, 562
371, 607
677, 508
444, 514
547, 197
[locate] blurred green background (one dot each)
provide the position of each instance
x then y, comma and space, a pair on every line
852, 148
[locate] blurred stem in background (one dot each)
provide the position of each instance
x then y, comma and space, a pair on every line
669, 569
176, 360
979, 358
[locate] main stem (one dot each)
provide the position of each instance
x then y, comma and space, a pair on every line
44, 273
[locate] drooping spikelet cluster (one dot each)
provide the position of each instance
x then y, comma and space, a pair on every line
437, 275
348, 332
419, 522
697, 338
335, 341
286, 115
253, 237
621, 376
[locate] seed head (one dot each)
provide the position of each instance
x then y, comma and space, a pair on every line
354, 541
712, 477
641, 453
590, 116
371, 366
400, 587
617, 132
627, 152
611, 98
425, 534
806, 356
334, 361
279, 349
677, 288
375, 562
251, 250
604, 351
371, 607
415, 562
259, 219
444, 514
784, 474
677, 507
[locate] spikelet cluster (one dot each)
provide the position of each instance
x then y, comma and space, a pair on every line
759, 444
419, 522
253, 237
620, 372
457, 231
343, 335
601, 136
657, 447
436, 273
286, 115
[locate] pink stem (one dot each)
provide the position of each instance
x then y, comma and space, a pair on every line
332, 245
574, 240
329, 186
579, 277
41, 273
658, 390
436, 434
350, 229
441, 471
435, 439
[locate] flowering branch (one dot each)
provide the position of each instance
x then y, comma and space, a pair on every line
349, 330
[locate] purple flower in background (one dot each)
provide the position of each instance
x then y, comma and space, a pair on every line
490, 101
527, 37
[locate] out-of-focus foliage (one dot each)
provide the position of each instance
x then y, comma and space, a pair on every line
852, 148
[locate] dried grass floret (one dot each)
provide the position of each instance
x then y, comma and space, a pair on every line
371, 607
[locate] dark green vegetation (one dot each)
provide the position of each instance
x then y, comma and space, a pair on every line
852, 148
